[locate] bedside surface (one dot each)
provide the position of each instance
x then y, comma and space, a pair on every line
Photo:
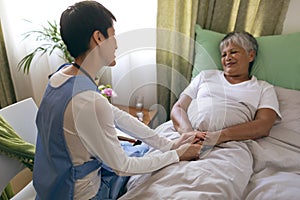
149, 115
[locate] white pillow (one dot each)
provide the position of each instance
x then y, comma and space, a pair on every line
288, 129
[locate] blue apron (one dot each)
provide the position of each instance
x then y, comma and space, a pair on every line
54, 175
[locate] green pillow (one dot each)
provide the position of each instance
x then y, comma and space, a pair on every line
207, 54
278, 59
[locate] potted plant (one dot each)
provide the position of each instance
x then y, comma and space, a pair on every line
51, 40
50, 35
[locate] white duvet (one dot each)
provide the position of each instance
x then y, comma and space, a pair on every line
276, 170
223, 174
262, 169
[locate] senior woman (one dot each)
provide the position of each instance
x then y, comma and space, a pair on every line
233, 108
230, 105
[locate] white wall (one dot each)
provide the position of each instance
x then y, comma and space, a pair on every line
132, 16
13, 13
292, 21
135, 71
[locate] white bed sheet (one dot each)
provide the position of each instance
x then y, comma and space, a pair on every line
276, 170
222, 174
262, 169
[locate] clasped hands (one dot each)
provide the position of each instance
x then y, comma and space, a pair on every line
189, 145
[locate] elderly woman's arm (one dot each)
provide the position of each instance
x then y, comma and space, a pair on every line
179, 116
259, 127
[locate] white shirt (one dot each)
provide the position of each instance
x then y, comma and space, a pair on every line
89, 128
217, 104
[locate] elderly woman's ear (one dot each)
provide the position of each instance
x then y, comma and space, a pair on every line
251, 55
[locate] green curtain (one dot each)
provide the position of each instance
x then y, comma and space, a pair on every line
175, 33
259, 17
7, 94
7, 193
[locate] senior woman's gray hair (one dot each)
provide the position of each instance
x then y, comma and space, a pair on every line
242, 39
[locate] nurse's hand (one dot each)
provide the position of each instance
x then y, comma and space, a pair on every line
191, 137
189, 151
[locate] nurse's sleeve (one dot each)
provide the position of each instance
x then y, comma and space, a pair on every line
140, 131
95, 127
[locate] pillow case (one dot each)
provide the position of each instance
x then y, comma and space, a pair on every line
207, 54
278, 59
288, 129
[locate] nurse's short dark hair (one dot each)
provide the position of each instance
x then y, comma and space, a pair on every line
79, 21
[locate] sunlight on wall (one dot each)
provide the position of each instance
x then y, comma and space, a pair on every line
291, 23
131, 15
14, 26
135, 72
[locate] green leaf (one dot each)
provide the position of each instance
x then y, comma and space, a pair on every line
51, 37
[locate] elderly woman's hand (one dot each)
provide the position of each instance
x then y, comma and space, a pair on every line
213, 138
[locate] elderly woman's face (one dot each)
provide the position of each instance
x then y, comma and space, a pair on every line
235, 60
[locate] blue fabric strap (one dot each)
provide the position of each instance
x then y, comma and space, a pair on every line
82, 170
